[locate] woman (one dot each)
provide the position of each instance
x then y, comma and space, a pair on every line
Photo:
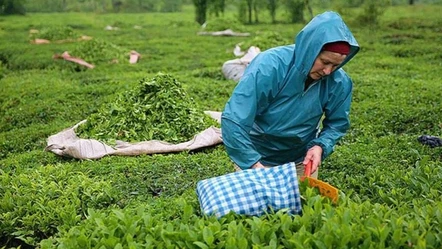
274, 115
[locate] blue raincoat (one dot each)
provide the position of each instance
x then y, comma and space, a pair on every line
270, 118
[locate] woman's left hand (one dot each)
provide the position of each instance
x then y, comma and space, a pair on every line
258, 165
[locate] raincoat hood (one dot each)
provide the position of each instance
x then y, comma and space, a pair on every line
322, 29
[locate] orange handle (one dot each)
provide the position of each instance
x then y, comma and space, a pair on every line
308, 169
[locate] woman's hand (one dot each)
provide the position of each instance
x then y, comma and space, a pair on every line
314, 154
258, 165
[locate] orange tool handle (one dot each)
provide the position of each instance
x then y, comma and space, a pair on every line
308, 169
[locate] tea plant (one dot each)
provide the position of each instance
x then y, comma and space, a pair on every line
40, 201
389, 182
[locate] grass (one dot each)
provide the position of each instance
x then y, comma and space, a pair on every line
397, 92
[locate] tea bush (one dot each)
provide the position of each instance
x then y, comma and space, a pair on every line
389, 183
320, 226
40, 201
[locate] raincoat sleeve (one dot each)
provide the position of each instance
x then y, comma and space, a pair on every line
336, 121
253, 94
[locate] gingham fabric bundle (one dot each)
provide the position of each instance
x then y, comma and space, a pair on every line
251, 192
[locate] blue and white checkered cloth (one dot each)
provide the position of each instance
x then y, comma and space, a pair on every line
251, 192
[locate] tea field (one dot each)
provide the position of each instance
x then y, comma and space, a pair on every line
391, 184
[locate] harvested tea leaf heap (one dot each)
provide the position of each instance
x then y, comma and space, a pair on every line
97, 51
55, 33
265, 40
157, 109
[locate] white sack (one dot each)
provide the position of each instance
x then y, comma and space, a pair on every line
234, 69
227, 32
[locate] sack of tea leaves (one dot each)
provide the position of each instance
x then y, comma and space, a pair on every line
156, 109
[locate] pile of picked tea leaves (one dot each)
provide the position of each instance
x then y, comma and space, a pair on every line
265, 40
55, 33
97, 51
156, 109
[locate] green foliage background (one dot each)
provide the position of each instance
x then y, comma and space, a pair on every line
390, 183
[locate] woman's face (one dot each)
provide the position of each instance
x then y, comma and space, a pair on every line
325, 64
